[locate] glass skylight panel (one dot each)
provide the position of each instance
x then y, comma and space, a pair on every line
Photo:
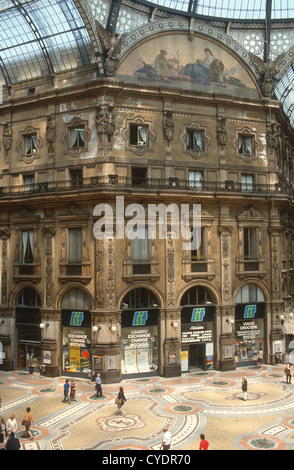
56, 24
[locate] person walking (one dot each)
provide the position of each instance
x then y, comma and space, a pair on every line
73, 390
3, 430
66, 392
287, 371
13, 442
120, 400
98, 383
27, 421
31, 363
11, 425
260, 357
204, 444
166, 441
244, 388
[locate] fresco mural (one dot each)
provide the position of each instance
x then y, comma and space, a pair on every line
175, 60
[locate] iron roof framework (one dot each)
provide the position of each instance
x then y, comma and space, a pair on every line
41, 37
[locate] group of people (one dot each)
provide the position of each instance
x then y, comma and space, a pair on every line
8, 429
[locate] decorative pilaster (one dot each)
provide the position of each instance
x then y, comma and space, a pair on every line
48, 233
4, 236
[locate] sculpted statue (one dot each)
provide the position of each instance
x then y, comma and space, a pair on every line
105, 122
168, 127
267, 70
50, 132
111, 45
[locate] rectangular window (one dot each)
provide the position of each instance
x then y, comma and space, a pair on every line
195, 179
198, 256
140, 252
139, 176
77, 138
27, 246
245, 145
30, 144
246, 183
74, 245
250, 243
76, 177
200, 253
194, 140
138, 135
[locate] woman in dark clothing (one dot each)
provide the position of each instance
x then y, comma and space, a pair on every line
244, 388
122, 398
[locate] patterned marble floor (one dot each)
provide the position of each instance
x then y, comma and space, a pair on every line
200, 402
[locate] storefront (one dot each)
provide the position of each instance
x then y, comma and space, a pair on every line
250, 331
197, 337
76, 342
28, 336
28, 332
139, 341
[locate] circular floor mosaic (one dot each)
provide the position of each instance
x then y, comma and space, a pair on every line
250, 396
120, 423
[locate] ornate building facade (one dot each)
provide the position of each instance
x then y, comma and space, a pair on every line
181, 116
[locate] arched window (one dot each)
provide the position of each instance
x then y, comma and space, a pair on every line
139, 298
197, 295
76, 299
249, 293
28, 297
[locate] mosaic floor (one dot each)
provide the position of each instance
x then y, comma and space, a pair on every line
200, 402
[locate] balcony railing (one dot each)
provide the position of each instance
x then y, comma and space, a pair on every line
121, 182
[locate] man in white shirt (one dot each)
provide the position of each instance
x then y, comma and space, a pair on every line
166, 441
11, 425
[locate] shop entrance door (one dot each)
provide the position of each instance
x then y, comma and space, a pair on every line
24, 349
197, 356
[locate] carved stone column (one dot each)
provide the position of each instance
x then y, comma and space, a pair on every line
227, 334
276, 333
170, 319
4, 237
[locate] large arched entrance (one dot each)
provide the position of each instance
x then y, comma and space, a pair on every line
27, 324
139, 332
198, 329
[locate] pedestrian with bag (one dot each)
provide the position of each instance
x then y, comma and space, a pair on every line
27, 421
120, 400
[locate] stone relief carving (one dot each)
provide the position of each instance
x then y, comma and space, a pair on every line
168, 127
105, 122
50, 132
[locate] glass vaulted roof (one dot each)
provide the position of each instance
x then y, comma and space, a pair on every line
40, 37
232, 9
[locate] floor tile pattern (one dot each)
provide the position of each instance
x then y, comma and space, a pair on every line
209, 402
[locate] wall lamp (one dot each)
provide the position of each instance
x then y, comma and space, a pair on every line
282, 317
174, 324
112, 327
230, 322
96, 328
43, 325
